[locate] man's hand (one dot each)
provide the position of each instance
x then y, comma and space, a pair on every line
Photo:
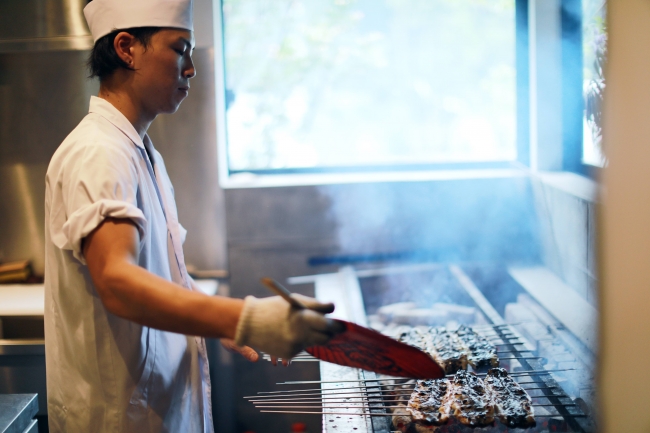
274, 326
247, 352
275, 359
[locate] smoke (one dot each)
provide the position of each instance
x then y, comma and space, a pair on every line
485, 225
468, 220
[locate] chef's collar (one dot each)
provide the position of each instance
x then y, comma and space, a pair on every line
109, 112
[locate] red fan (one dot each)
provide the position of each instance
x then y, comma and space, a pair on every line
364, 348
369, 350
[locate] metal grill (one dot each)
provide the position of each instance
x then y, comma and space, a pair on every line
374, 398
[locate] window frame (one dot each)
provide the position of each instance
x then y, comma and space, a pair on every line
572, 112
572, 90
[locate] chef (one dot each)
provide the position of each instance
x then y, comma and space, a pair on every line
124, 322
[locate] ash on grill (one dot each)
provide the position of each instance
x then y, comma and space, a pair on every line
512, 402
452, 350
482, 353
427, 403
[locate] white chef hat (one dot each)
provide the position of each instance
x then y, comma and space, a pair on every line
105, 16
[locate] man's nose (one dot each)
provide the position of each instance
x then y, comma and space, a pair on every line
190, 71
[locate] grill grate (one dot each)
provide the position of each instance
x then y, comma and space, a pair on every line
373, 397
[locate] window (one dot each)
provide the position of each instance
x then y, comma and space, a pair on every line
317, 85
594, 37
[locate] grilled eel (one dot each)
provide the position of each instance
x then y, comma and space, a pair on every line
402, 422
443, 346
469, 401
412, 337
446, 348
480, 352
512, 402
426, 404
452, 350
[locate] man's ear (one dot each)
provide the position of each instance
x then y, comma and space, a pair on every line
124, 43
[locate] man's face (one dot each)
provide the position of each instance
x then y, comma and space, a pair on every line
163, 70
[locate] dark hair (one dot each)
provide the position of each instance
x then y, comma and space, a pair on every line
103, 59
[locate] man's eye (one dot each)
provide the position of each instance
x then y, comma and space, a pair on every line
180, 52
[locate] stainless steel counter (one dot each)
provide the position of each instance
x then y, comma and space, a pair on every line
343, 290
17, 412
22, 345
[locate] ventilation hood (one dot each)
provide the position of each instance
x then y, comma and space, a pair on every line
43, 25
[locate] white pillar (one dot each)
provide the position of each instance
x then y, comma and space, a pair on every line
624, 238
545, 64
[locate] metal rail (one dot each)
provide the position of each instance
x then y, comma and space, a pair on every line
575, 421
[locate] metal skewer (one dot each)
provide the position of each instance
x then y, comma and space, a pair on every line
328, 413
313, 359
334, 404
339, 399
353, 394
391, 414
363, 387
360, 394
367, 406
319, 398
318, 360
309, 389
303, 382
323, 390
299, 359
314, 394
513, 374
307, 356
351, 414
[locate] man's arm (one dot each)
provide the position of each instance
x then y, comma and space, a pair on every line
247, 352
133, 293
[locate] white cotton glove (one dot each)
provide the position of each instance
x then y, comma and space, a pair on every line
275, 327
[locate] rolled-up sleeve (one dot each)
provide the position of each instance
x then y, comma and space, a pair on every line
100, 181
183, 233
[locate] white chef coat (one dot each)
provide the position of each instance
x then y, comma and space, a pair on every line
104, 373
